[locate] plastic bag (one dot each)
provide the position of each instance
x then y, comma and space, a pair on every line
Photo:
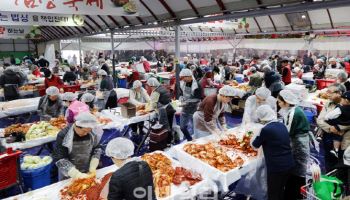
329, 188
256, 177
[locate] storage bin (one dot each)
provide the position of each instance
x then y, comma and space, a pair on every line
323, 83
37, 178
128, 110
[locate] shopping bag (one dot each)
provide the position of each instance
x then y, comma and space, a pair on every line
258, 177
328, 188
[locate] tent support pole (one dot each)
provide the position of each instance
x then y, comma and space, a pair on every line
80, 54
113, 58
177, 61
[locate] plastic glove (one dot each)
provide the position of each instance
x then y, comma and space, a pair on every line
76, 174
93, 165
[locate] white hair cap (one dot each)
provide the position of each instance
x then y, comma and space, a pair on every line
87, 98
153, 82
52, 91
296, 69
265, 113
267, 68
120, 148
320, 60
69, 96
332, 59
136, 84
86, 120
143, 58
185, 72
289, 97
252, 69
101, 60
263, 92
185, 59
230, 91
41, 57
102, 72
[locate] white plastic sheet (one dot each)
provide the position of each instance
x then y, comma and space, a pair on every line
116, 113
17, 107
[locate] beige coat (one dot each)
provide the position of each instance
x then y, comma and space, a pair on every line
324, 126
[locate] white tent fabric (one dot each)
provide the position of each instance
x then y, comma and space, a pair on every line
325, 44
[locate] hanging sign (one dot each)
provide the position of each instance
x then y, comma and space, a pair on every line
39, 19
82, 7
19, 32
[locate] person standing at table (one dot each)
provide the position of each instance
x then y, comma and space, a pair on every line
133, 174
106, 83
191, 96
161, 100
262, 97
51, 104
52, 80
211, 112
286, 71
77, 151
69, 76
274, 139
139, 97
11, 81
43, 63
298, 127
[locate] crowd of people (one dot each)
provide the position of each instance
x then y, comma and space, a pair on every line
284, 137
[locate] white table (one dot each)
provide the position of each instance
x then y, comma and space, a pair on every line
19, 106
52, 192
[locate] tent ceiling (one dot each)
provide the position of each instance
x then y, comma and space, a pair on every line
269, 16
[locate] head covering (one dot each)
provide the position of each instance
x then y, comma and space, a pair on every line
320, 60
143, 58
267, 68
296, 69
66, 69
69, 96
120, 148
185, 59
252, 69
52, 91
86, 120
136, 84
230, 91
185, 72
346, 95
153, 82
102, 72
332, 59
265, 113
101, 60
41, 57
263, 92
342, 75
289, 97
87, 98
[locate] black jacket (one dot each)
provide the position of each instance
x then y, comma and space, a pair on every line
10, 77
106, 68
69, 76
43, 63
133, 175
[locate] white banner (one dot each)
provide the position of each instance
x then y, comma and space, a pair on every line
19, 32
82, 7
30, 19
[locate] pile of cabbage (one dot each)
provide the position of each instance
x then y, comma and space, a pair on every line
40, 130
35, 162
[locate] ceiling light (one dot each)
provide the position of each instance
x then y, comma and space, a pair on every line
303, 16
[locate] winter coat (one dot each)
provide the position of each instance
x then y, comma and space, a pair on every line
69, 77
53, 81
133, 175
48, 108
